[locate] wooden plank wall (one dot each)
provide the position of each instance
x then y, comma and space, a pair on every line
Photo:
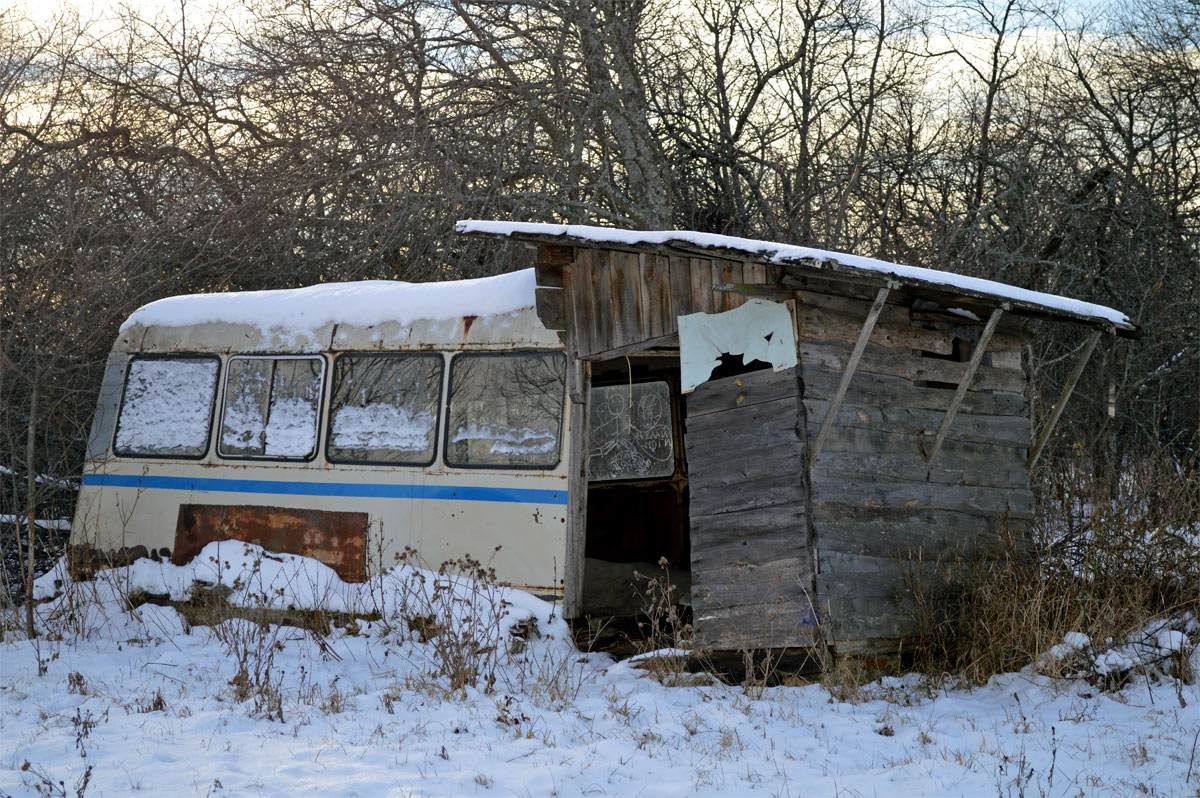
614, 301
752, 565
879, 515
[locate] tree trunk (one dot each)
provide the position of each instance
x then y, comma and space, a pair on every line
30, 502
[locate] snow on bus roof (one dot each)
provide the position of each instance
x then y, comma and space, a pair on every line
363, 303
790, 254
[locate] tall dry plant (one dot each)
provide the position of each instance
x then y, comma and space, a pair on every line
1099, 564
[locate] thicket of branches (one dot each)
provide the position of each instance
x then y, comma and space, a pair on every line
304, 140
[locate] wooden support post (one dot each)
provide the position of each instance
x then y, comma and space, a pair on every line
1072, 379
976, 358
863, 336
580, 388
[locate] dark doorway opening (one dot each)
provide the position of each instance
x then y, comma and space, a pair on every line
637, 505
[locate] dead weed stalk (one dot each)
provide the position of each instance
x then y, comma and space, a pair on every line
1112, 559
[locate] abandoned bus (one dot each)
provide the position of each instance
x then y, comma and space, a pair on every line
791, 430
345, 422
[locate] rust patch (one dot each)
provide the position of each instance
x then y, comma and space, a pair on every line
337, 539
467, 322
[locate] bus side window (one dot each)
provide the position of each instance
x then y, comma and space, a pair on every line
166, 409
384, 409
505, 410
271, 407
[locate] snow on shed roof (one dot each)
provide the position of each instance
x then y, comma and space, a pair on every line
364, 303
835, 264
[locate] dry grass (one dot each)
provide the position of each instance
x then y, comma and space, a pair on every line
666, 635
1106, 558
459, 614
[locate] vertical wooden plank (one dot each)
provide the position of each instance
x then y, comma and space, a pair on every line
976, 357
681, 291
570, 289
578, 284
637, 297
656, 295
754, 273
739, 276
701, 285
580, 376
644, 269
799, 308
734, 271
720, 275
712, 278
624, 279
601, 300
614, 292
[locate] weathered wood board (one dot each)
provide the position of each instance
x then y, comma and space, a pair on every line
752, 566
884, 521
617, 299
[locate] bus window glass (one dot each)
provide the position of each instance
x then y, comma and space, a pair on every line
385, 409
271, 407
167, 407
631, 432
506, 410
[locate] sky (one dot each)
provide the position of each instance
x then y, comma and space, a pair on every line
43, 10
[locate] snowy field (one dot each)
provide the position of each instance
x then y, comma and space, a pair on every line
113, 701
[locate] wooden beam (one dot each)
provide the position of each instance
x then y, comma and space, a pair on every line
861, 344
1072, 379
770, 291
577, 481
960, 393
635, 348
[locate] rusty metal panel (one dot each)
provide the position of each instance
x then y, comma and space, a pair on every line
338, 539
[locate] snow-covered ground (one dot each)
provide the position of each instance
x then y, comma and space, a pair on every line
143, 703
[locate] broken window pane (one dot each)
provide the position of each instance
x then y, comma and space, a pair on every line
271, 407
385, 408
631, 432
506, 410
167, 407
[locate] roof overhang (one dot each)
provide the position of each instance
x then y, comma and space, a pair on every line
943, 287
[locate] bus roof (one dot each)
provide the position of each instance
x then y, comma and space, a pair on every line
362, 303
376, 314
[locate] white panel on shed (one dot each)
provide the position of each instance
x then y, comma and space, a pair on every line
756, 330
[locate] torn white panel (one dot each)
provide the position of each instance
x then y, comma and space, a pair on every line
756, 330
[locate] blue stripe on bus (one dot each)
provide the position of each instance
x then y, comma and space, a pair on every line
467, 493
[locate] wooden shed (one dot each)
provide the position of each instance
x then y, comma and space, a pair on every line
798, 432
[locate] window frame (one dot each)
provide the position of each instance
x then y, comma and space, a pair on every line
442, 405
212, 403
675, 447
561, 417
316, 450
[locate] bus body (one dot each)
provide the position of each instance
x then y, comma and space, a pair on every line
352, 423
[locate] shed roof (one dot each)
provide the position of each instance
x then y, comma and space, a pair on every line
807, 261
